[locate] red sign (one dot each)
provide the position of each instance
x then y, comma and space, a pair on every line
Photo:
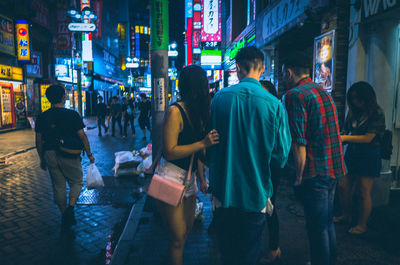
196, 38
85, 3
97, 8
189, 47
196, 14
41, 11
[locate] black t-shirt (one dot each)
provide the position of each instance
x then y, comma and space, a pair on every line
116, 109
101, 110
144, 108
129, 109
57, 122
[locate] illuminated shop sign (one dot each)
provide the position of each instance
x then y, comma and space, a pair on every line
230, 54
210, 58
45, 103
10, 72
22, 29
211, 18
6, 35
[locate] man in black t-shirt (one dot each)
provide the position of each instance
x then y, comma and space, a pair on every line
144, 114
52, 125
101, 115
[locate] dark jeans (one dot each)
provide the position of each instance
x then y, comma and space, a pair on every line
317, 195
273, 220
101, 121
129, 119
114, 120
239, 235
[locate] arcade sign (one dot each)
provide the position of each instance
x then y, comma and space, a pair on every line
82, 27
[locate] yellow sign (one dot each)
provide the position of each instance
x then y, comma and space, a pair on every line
22, 30
10, 72
45, 103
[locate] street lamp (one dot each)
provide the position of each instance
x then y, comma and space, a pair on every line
81, 24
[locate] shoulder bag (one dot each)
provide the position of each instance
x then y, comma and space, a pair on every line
169, 191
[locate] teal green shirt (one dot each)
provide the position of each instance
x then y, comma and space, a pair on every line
254, 134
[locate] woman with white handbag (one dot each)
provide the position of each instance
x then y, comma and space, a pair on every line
185, 137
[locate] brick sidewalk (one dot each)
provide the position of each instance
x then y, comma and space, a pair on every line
30, 221
377, 247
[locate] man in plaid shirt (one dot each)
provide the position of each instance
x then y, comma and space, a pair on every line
318, 154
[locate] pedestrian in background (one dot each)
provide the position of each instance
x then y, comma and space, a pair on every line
101, 111
274, 251
318, 154
116, 115
51, 126
144, 114
363, 130
129, 114
184, 135
254, 135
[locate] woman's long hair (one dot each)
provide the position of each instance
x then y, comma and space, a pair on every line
364, 93
194, 92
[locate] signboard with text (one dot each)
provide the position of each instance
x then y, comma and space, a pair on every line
159, 25
44, 102
211, 20
6, 35
23, 45
370, 8
279, 18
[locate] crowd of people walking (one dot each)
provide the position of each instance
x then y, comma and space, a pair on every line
122, 111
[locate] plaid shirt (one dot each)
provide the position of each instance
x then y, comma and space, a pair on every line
313, 122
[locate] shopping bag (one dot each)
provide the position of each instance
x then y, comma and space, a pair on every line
93, 178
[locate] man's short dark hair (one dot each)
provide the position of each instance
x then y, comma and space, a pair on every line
298, 61
55, 93
142, 95
249, 58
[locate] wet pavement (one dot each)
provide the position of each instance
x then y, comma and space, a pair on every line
380, 245
30, 221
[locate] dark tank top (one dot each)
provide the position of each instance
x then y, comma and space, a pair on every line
187, 136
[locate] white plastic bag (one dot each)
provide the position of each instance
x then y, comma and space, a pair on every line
123, 158
93, 178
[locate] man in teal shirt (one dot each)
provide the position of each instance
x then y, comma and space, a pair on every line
254, 135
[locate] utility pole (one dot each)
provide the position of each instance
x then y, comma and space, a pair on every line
159, 69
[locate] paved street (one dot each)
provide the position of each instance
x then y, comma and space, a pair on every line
30, 221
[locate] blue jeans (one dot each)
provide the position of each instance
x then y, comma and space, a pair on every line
239, 235
317, 195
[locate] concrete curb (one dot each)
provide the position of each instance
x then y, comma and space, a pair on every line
4, 158
127, 237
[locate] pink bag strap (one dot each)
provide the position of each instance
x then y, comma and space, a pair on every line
190, 169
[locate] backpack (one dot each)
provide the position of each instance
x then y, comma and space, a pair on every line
386, 145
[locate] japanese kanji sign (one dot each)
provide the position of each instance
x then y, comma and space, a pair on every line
22, 29
211, 18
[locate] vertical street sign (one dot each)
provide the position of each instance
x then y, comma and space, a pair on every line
23, 45
159, 69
